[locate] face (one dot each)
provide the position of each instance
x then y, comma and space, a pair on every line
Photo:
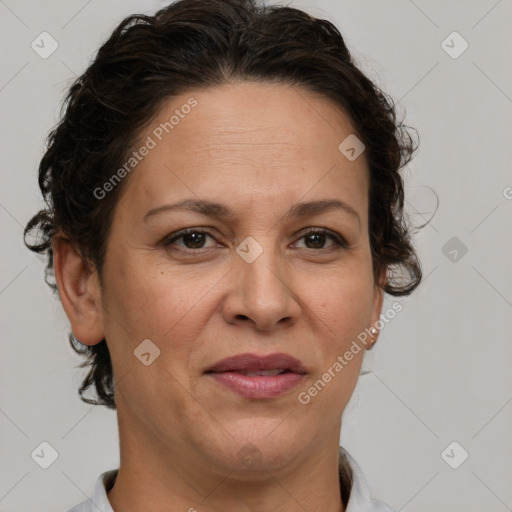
256, 281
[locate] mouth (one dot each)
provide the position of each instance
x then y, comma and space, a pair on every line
248, 364
258, 376
258, 373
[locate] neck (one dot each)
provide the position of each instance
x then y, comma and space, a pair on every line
154, 476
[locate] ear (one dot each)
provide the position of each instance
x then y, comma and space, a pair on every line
378, 298
79, 291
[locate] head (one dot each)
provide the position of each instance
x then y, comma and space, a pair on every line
243, 113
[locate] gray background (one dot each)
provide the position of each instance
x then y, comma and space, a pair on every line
440, 371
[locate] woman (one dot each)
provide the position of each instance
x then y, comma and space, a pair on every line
225, 214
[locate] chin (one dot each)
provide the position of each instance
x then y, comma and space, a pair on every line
261, 449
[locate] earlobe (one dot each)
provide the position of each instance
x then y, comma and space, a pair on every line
79, 291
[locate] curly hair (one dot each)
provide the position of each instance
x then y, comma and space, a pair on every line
193, 44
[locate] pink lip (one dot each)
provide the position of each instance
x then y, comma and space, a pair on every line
254, 362
227, 372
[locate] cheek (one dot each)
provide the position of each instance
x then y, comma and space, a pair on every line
145, 303
341, 313
343, 304
169, 307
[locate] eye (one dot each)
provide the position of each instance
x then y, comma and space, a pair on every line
192, 239
315, 239
195, 239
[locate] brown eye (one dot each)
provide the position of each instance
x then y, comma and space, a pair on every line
317, 239
194, 240
191, 239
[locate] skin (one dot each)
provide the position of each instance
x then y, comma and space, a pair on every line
258, 148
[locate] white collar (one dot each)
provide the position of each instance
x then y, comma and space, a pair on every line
359, 501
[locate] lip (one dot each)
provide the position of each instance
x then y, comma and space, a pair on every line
254, 362
227, 372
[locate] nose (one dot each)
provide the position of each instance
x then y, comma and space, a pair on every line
261, 294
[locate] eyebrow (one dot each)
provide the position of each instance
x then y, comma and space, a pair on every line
221, 211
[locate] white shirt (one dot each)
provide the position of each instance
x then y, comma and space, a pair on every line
360, 499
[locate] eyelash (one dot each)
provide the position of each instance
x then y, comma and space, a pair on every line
338, 239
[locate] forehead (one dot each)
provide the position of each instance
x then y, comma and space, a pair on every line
247, 139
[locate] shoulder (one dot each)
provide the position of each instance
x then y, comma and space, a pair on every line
81, 507
85, 506
99, 501
360, 499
